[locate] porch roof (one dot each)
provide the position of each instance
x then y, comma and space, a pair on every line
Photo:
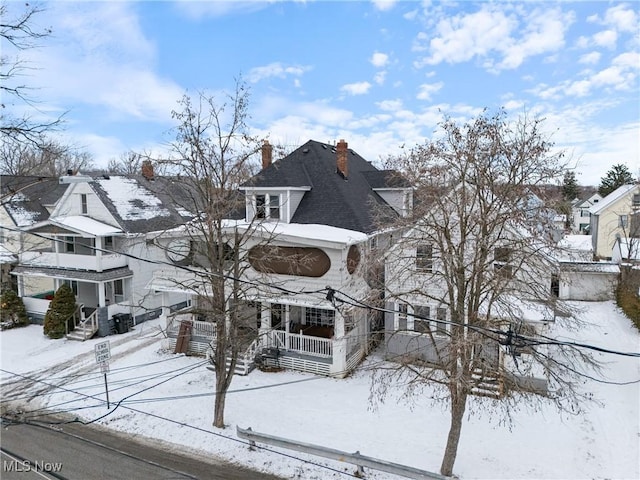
80, 275
82, 225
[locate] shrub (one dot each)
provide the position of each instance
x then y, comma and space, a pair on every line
60, 311
12, 311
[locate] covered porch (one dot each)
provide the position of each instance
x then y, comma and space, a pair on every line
297, 337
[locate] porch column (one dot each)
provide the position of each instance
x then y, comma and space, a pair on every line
98, 252
165, 308
339, 366
101, 296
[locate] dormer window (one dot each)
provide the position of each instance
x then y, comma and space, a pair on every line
267, 206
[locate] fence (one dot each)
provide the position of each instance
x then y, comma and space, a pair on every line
353, 458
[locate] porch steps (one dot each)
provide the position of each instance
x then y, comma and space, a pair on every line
243, 366
82, 333
486, 383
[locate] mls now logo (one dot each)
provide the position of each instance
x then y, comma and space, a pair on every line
29, 466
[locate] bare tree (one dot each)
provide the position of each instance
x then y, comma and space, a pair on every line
17, 33
213, 155
49, 158
475, 263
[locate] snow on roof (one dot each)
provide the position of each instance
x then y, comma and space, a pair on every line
307, 231
86, 225
611, 198
131, 200
575, 248
19, 213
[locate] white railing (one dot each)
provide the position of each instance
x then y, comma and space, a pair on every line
36, 305
200, 329
72, 260
296, 342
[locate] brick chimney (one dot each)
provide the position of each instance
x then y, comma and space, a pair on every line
147, 169
267, 154
341, 158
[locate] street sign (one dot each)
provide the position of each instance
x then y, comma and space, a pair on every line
103, 352
104, 367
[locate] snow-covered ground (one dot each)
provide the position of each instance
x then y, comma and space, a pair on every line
157, 394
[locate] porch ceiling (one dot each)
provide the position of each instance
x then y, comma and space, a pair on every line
80, 275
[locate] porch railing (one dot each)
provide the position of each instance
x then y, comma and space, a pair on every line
297, 342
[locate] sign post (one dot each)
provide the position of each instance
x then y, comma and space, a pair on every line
103, 354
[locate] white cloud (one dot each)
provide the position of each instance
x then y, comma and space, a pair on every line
380, 77
359, 88
199, 9
99, 56
379, 59
544, 32
384, 5
426, 90
590, 58
276, 69
510, 35
605, 38
620, 17
390, 105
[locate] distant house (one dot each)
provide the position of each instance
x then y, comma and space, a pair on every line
318, 203
580, 215
615, 217
25, 200
95, 240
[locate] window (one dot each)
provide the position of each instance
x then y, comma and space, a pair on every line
277, 315
424, 258
441, 327
636, 200
402, 316
319, 317
69, 245
555, 285
267, 206
421, 324
73, 284
261, 201
108, 243
83, 203
501, 256
274, 207
623, 220
584, 213
118, 290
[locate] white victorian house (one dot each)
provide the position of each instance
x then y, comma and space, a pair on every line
317, 208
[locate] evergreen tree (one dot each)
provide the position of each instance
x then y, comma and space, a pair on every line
12, 309
570, 189
60, 311
617, 176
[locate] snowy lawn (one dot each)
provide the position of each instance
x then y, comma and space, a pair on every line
601, 443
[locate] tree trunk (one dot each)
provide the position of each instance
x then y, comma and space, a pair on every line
458, 406
218, 410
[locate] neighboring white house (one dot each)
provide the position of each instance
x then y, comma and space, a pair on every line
517, 264
580, 215
94, 241
318, 203
25, 200
615, 217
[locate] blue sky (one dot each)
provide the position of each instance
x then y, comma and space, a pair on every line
379, 74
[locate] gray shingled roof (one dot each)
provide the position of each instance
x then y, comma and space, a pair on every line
333, 200
105, 276
155, 217
25, 197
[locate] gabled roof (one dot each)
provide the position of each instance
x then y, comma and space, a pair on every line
612, 198
25, 197
140, 205
332, 199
